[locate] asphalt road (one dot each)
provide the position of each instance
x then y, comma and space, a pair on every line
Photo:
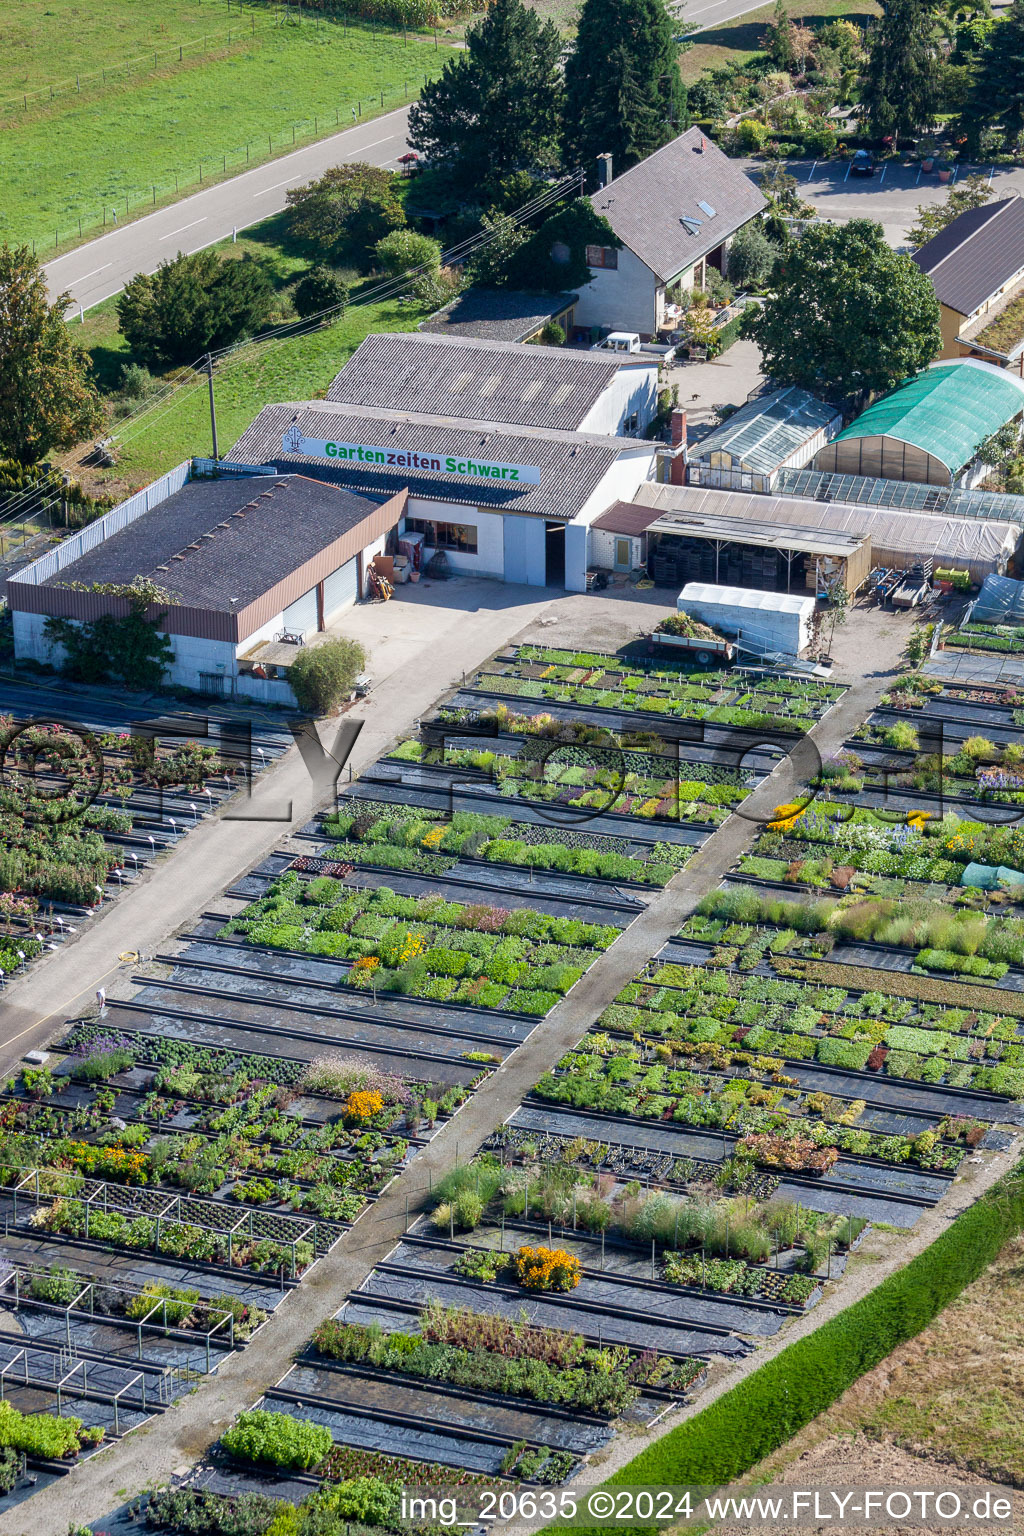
92, 272
705, 14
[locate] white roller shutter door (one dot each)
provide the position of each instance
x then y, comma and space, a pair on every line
340, 590
300, 616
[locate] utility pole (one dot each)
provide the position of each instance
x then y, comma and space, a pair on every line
213, 412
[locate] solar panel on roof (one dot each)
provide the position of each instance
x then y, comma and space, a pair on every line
907, 495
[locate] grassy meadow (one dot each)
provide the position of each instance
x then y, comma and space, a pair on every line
150, 132
293, 368
736, 42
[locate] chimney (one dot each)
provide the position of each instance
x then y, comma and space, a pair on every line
604, 170
677, 462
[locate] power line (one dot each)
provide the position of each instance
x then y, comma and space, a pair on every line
387, 289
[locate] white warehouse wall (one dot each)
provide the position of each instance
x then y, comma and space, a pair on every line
629, 389
621, 483
489, 559
191, 656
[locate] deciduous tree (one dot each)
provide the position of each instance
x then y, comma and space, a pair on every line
848, 313
751, 257
972, 192
495, 108
47, 396
346, 211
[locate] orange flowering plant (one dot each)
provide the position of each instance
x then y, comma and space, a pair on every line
546, 1269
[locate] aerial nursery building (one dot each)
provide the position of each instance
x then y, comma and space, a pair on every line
495, 454
506, 452
242, 562
931, 428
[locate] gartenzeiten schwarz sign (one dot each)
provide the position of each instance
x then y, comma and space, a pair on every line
450, 464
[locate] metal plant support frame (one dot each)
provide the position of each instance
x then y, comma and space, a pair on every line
113, 1197
83, 1305
66, 1373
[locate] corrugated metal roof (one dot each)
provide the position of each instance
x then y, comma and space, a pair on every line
498, 314
947, 411
481, 380
974, 256
895, 536
572, 464
646, 207
633, 519
762, 434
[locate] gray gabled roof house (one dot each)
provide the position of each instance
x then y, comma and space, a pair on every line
675, 214
976, 266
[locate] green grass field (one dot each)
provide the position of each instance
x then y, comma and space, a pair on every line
298, 368
49, 42
81, 156
736, 42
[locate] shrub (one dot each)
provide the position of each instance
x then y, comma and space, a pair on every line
321, 675
844, 1053
39, 1434
59, 1286
158, 1302
320, 290
363, 1104
546, 1269
901, 737
211, 1514
276, 1439
405, 249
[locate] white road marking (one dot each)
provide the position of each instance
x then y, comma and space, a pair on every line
286, 183
292, 179
181, 231
86, 275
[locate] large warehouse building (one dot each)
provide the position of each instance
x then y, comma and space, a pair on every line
501, 382
242, 562
507, 452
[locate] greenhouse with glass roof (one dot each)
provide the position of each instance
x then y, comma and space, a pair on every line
931, 428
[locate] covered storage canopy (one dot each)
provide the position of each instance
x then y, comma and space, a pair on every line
898, 539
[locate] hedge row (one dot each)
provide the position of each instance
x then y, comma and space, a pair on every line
723, 1442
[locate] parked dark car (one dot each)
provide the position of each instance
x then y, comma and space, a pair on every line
863, 163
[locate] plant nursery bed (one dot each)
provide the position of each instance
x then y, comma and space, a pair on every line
555, 819
615, 1325
622, 1278
416, 1441
258, 969
433, 1406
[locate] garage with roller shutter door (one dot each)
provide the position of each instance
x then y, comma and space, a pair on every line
253, 566
341, 589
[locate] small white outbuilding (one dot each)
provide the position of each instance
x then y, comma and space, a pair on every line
769, 621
